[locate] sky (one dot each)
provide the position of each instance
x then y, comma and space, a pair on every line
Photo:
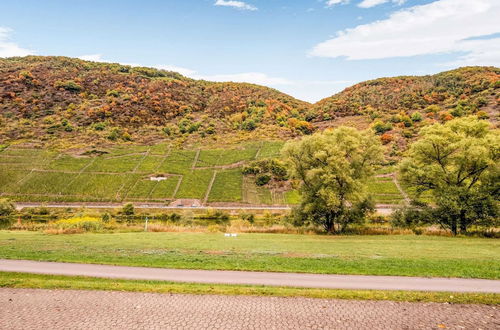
310, 49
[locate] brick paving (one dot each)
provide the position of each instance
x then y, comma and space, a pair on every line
71, 309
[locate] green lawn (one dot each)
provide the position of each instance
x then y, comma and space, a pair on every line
375, 255
35, 281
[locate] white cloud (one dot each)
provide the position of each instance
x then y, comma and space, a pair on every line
436, 28
373, 3
330, 3
92, 57
249, 77
235, 4
9, 48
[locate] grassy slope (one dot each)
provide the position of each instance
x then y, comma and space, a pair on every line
375, 255
20, 280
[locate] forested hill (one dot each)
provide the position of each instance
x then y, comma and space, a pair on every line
56, 99
51, 97
457, 92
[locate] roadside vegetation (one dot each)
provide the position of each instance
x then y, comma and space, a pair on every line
34, 281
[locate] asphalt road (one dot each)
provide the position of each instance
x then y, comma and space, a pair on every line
70, 309
255, 278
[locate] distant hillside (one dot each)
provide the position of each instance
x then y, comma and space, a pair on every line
397, 107
469, 87
51, 97
67, 101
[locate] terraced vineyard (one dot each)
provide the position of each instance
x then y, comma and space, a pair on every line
125, 174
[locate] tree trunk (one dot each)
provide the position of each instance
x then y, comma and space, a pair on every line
463, 222
454, 226
329, 225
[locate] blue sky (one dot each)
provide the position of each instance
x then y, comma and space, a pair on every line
310, 49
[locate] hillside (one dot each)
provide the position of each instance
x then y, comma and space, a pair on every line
67, 102
47, 98
399, 106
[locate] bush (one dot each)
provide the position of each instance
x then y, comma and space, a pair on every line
248, 217
106, 217
128, 209
99, 126
6, 207
69, 85
416, 116
409, 218
386, 138
174, 217
380, 127
262, 180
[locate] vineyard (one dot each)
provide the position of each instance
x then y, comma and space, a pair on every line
158, 173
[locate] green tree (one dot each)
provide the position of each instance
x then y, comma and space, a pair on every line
6, 207
458, 163
332, 168
128, 209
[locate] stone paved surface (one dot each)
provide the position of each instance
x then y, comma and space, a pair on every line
61, 309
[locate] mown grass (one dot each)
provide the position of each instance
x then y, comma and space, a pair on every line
35, 281
404, 255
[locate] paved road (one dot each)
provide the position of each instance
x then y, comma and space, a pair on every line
255, 278
60, 309
384, 209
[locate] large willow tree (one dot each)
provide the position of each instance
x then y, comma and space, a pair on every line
332, 168
458, 165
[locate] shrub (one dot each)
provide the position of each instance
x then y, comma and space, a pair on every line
128, 209
416, 116
249, 125
386, 138
248, 217
380, 127
69, 85
174, 217
106, 217
262, 180
482, 115
408, 217
99, 126
6, 207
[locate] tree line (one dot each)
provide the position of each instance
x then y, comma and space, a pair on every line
453, 171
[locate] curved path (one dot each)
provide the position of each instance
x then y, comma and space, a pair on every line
61, 309
254, 278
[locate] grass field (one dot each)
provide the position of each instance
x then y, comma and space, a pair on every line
122, 174
35, 281
405, 255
